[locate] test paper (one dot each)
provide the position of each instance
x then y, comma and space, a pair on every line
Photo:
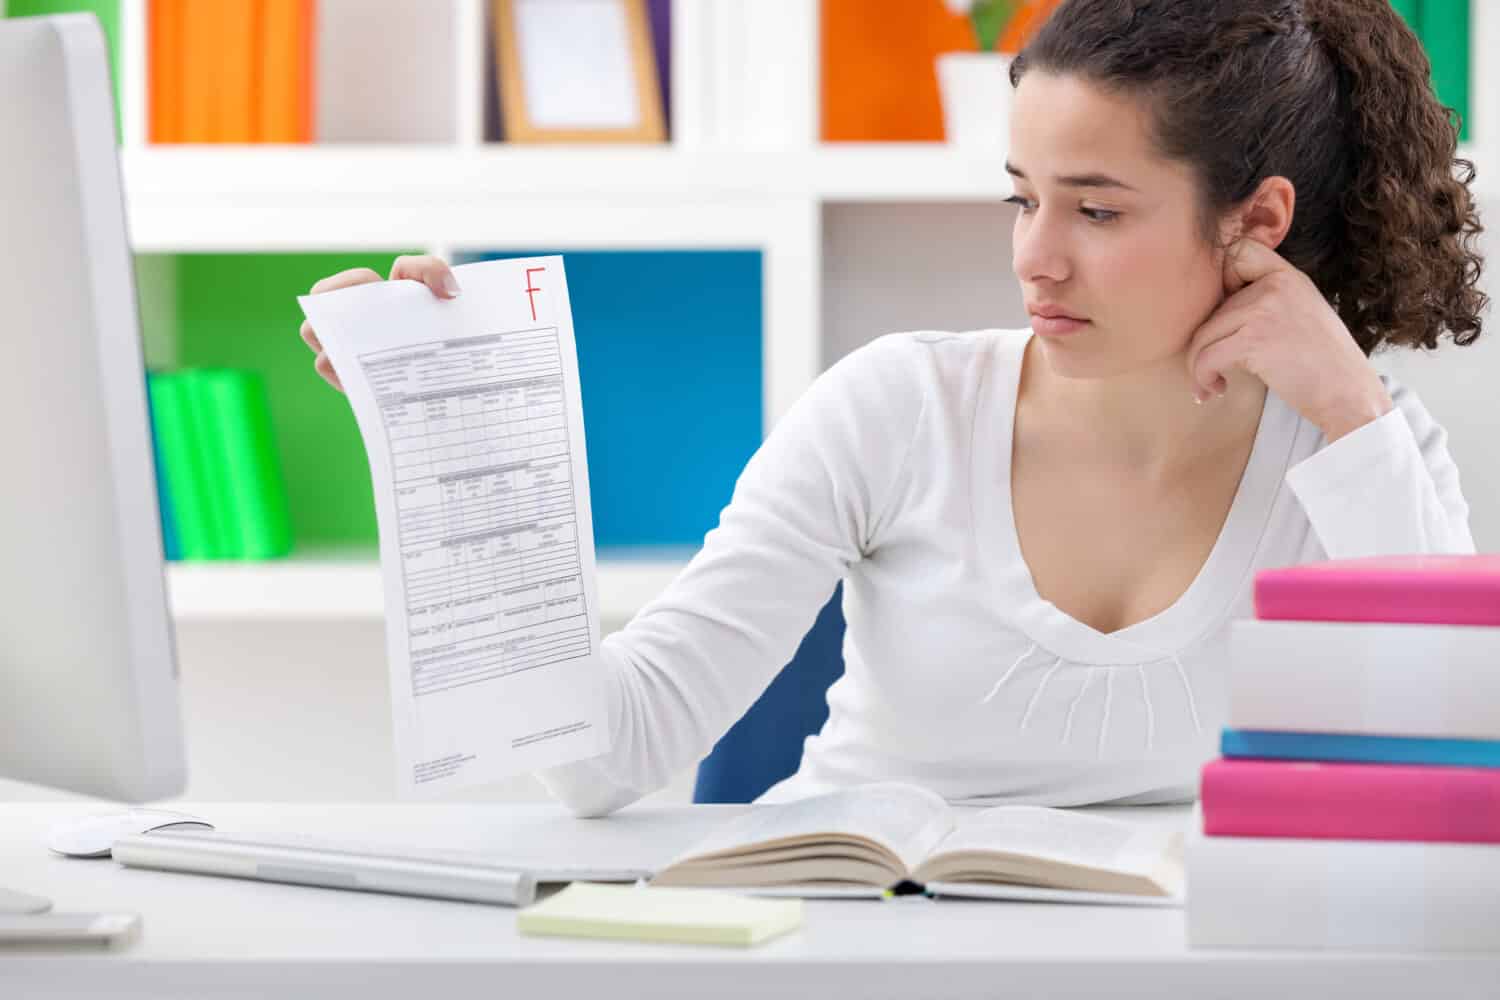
473, 426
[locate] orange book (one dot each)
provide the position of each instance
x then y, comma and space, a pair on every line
198, 78
278, 26
233, 68
880, 72
164, 70
307, 79
283, 104
154, 90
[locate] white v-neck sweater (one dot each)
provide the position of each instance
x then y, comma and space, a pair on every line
892, 473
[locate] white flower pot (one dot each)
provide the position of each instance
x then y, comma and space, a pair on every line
976, 92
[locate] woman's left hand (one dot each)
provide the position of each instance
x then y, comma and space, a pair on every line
1276, 325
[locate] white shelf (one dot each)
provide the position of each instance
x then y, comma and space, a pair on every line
186, 199
327, 588
436, 172
189, 199
196, 198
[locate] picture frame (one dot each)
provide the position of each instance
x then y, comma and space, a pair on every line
577, 71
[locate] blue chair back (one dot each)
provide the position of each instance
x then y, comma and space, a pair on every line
765, 745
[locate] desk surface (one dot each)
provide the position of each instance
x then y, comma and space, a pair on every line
205, 936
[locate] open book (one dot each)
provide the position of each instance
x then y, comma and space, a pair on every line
865, 840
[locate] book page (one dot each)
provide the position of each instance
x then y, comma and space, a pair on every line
1044, 894
473, 426
905, 819
1062, 835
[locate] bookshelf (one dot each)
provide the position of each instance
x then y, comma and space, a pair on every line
282, 662
405, 160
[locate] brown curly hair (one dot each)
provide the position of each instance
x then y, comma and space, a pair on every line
1333, 95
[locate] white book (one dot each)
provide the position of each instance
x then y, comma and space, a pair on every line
1365, 677
1303, 894
874, 837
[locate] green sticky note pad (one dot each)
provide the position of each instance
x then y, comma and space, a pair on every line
660, 913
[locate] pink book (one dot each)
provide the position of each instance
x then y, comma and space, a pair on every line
1265, 798
1431, 589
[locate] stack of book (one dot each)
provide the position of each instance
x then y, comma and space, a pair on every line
230, 70
218, 476
1357, 800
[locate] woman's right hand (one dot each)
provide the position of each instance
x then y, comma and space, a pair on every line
429, 270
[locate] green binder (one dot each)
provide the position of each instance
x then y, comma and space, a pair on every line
217, 492
183, 468
1444, 28
247, 474
208, 436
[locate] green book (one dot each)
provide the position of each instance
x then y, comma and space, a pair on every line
1444, 28
656, 913
257, 523
182, 466
108, 12
208, 451
171, 545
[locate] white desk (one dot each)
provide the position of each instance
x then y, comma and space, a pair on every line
213, 937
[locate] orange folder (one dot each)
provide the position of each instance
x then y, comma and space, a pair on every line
164, 70
880, 69
307, 68
233, 97
231, 70
284, 107
197, 40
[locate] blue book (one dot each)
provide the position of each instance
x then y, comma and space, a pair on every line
171, 546
1263, 743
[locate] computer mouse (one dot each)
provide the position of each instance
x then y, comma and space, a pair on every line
94, 836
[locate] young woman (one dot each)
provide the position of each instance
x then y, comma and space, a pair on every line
1224, 207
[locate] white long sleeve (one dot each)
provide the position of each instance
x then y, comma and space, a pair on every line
807, 506
893, 473
1387, 488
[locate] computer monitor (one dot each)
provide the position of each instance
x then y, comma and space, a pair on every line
88, 675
